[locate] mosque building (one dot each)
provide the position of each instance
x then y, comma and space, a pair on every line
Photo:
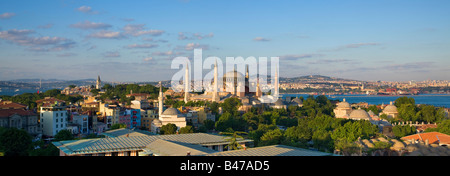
390, 110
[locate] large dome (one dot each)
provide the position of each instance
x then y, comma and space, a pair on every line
390, 109
233, 75
359, 114
171, 111
344, 105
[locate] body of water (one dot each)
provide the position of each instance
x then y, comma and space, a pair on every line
12, 92
438, 100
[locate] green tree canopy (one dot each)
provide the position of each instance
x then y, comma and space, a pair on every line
186, 129
169, 128
63, 135
15, 142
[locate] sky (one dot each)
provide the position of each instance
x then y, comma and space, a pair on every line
137, 40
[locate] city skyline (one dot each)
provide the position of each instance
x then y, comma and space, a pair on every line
123, 41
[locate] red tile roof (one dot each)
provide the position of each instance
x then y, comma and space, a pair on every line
10, 112
433, 137
11, 105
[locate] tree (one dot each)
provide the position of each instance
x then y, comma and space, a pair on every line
404, 100
272, 137
52, 93
255, 135
322, 140
72, 86
15, 142
186, 129
42, 149
443, 127
231, 105
233, 144
225, 121
208, 124
407, 112
63, 135
374, 109
169, 128
95, 91
402, 131
118, 126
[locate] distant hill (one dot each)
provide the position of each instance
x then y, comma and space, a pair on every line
31, 85
310, 78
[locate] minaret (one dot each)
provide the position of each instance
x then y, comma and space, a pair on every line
215, 96
99, 83
258, 90
160, 100
276, 83
186, 84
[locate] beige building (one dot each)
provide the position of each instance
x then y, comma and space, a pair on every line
390, 110
343, 110
170, 115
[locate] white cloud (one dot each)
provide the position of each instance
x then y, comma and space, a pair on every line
261, 39
199, 36
141, 46
87, 10
107, 35
148, 59
192, 46
6, 15
46, 43
90, 25
138, 30
168, 53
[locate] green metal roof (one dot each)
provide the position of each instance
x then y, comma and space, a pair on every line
273, 150
116, 144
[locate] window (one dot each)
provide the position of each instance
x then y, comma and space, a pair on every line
56, 120
56, 114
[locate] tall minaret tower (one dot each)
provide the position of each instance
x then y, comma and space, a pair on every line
160, 100
276, 83
99, 83
215, 97
186, 84
258, 89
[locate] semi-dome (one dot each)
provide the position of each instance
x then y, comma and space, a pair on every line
171, 111
359, 114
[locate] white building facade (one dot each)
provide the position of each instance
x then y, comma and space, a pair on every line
53, 119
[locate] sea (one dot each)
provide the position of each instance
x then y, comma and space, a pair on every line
12, 92
438, 100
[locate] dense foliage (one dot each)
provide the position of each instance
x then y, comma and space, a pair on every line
30, 99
